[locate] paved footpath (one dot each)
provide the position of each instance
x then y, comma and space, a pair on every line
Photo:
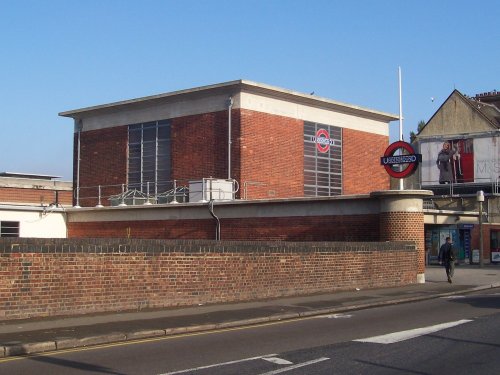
40, 335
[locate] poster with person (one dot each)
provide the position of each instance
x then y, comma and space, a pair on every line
448, 161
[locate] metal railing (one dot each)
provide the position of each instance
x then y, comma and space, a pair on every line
163, 192
175, 191
247, 184
178, 191
457, 188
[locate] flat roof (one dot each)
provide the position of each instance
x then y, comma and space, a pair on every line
28, 175
240, 85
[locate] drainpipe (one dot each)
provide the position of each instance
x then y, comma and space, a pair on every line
229, 109
79, 128
211, 210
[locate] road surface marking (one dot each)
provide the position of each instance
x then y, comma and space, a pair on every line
453, 297
412, 333
335, 316
219, 364
278, 361
298, 365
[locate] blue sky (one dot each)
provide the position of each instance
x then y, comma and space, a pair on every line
63, 55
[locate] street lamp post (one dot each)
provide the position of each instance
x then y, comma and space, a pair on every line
480, 200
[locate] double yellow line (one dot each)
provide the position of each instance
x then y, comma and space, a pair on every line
153, 339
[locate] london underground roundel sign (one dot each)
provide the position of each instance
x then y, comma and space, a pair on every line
322, 140
402, 165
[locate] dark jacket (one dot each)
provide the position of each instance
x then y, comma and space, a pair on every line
446, 252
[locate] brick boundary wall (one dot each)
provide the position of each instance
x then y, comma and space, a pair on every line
54, 277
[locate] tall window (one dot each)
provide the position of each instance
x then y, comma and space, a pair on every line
9, 228
149, 156
322, 160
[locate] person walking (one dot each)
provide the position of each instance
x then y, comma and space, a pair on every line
447, 258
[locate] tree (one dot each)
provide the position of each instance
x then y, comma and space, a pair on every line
420, 126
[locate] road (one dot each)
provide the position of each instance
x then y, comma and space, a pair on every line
455, 335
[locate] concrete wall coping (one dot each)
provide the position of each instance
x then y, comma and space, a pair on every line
401, 193
32, 183
229, 203
151, 246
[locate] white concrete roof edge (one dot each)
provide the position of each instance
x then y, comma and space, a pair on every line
244, 84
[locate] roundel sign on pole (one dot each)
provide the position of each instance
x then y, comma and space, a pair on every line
403, 164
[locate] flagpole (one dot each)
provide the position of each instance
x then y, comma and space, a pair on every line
401, 187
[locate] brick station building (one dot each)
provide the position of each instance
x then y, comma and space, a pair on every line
313, 212
275, 143
306, 167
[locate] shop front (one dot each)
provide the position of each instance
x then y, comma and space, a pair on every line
435, 236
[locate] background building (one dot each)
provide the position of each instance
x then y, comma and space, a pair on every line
33, 205
461, 156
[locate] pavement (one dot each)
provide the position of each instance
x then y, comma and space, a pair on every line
33, 336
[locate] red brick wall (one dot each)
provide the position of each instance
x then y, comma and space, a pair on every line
157, 229
303, 228
272, 153
67, 277
35, 196
361, 169
199, 146
310, 228
198, 150
267, 156
103, 155
475, 239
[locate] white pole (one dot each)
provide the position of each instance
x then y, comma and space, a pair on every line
229, 110
401, 187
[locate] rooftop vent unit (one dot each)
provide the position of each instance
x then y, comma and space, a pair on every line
208, 189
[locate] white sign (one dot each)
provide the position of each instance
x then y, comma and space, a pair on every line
475, 256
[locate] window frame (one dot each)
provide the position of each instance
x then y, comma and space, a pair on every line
149, 152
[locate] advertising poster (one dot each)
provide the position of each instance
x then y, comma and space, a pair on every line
487, 159
467, 160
